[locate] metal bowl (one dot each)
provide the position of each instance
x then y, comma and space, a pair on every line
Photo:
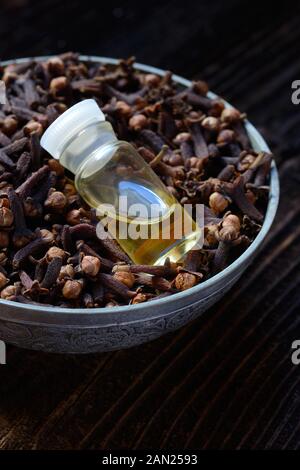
67, 330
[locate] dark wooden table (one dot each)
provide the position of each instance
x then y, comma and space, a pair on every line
226, 380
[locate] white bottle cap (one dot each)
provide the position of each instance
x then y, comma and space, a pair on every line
69, 124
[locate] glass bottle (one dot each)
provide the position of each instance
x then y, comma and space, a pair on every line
111, 176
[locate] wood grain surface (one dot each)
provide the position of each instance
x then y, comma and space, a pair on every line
225, 380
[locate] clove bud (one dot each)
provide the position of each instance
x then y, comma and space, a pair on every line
55, 252
8, 292
56, 201
185, 281
218, 202
127, 278
3, 280
138, 122
72, 289
6, 217
90, 265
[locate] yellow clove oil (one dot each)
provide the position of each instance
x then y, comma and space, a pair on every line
111, 176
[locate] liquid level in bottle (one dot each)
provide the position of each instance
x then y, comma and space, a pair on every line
160, 237
162, 229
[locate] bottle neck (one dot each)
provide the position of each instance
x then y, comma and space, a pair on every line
86, 142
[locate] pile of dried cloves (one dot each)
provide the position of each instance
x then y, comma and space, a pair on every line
49, 251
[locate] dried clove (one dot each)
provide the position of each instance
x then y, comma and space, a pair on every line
200, 146
72, 289
236, 192
23, 165
52, 272
106, 264
227, 173
110, 245
6, 161
154, 282
185, 281
130, 98
161, 271
15, 146
32, 248
90, 265
98, 293
116, 286
32, 97
22, 235
152, 139
35, 149
4, 139
125, 277
26, 188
